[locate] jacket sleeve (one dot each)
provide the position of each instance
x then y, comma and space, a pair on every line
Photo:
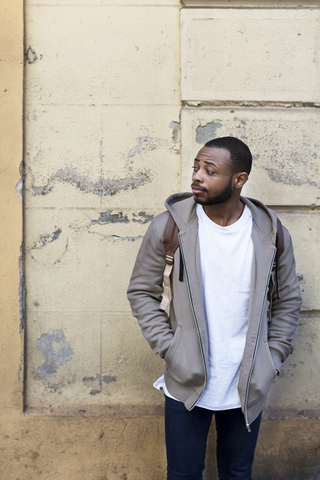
145, 288
285, 310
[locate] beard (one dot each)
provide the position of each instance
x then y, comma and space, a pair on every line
220, 197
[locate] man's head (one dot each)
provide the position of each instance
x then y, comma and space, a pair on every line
220, 170
240, 154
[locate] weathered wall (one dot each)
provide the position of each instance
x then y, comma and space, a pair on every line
102, 152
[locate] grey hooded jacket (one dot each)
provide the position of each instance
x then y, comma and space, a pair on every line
181, 337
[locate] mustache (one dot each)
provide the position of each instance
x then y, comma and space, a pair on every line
195, 185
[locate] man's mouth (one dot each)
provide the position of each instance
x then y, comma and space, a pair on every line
197, 189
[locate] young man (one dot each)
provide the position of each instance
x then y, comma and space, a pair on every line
232, 316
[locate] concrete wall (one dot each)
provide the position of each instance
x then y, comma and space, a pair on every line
103, 109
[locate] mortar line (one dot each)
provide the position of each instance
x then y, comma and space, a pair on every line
193, 104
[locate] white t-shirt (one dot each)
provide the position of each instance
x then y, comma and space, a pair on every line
226, 259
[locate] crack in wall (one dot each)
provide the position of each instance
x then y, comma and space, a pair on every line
22, 291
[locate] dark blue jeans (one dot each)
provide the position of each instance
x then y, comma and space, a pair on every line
186, 441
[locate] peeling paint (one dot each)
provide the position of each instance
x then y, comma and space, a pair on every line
45, 239
143, 141
92, 379
102, 187
56, 351
175, 130
97, 378
109, 378
144, 218
42, 190
207, 132
95, 392
31, 55
19, 188
108, 217
89, 379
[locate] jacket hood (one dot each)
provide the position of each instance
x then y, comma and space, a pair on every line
183, 209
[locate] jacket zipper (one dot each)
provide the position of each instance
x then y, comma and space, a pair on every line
197, 327
256, 347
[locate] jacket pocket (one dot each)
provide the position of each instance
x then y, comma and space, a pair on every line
183, 358
263, 374
173, 345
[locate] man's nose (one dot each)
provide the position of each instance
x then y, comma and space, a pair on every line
197, 175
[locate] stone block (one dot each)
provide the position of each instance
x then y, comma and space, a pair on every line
63, 351
284, 144
250, 54
81, 260
101, 156
102, 56
304, 228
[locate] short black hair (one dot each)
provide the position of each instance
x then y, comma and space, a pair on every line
239, 152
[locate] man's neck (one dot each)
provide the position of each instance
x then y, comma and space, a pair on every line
224, 214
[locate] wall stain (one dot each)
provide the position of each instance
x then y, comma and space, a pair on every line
101, 187
288, 175
143, 142
207, 132
56, 351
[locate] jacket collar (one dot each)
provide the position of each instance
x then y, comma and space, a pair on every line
183, 209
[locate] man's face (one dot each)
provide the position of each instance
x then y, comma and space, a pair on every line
212, 176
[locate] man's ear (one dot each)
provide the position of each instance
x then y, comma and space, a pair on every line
241, 179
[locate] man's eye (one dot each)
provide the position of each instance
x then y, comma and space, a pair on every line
194, 168
210, 172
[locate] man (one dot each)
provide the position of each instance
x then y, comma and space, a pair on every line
232, 318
